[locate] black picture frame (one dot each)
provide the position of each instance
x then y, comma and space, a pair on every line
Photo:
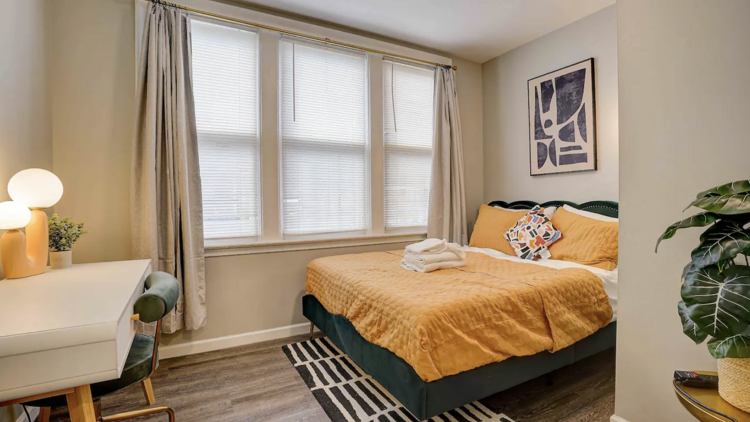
588, 97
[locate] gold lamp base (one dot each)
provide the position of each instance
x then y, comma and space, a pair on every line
26, 255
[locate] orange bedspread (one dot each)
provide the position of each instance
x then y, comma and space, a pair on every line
450, 321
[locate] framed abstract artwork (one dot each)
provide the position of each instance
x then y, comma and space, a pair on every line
562, 120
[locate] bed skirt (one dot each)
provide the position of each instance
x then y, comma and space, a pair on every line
427, 399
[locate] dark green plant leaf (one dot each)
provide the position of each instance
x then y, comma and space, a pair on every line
724, 240
727, 188
718, 303
731, 347
740, 219
723, 265
688, 325
685, 271
699, 220
732, 198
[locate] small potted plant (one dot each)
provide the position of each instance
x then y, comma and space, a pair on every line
63, 233
716, 285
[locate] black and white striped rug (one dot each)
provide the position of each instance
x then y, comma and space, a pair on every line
348, 394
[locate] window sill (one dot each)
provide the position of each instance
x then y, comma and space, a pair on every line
249, 247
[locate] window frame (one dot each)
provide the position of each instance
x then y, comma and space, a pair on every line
258, 115
270, 238
344, 234
396, 61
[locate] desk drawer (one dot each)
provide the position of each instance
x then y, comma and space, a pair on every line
60, 368
126, 327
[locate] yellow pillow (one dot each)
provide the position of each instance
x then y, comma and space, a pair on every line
585, 240
491, 226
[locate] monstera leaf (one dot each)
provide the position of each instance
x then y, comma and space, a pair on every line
719, 304
699, 220
732, 198
731, 347
721, 242
688, 325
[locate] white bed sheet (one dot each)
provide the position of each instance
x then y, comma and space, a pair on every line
609, 278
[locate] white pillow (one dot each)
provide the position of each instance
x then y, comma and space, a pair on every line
548, 211
591, 215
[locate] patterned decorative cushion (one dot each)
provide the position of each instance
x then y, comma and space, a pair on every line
532, 234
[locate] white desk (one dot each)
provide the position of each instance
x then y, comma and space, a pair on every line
67, 328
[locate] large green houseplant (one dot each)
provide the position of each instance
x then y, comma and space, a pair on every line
716, 285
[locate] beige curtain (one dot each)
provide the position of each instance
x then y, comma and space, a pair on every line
447, 212
167, 212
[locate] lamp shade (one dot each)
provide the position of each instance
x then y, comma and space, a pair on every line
13, 215
35, 188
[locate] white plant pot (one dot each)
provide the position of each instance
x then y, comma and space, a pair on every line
59, 260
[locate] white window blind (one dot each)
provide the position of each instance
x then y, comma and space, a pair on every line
408, 117
324, 171
225, 83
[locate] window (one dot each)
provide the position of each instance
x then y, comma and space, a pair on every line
225, 84
408, 118
306, 174
324, 140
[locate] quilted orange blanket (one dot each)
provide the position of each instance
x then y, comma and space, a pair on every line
450, 321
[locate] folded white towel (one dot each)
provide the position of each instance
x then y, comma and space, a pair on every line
411, 266
428, 245
456, 249
435, 246
431, 258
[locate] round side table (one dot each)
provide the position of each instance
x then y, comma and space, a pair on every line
706, 404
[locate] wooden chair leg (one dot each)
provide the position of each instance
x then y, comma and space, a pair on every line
312, 327
98, 410
44, 413
143, 412
148, 391
81, 405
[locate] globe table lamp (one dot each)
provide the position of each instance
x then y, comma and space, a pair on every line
31, 189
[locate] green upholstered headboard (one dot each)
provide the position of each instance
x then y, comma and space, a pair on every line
608, 208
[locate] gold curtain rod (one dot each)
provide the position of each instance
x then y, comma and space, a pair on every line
297, 34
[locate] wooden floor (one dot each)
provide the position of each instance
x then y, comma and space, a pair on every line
257, 383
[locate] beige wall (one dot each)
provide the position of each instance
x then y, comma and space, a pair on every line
24, 112
93, 109
683, 118
506, 128
92, 80
469, 85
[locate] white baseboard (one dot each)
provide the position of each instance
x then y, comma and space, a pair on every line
616, 418
33, 413
209, 345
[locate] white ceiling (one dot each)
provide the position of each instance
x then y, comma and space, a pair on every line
477, 30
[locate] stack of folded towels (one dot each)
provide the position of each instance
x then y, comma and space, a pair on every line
432, 254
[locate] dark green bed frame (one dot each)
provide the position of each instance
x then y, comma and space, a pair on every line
427, 399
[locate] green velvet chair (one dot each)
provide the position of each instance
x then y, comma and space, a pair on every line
159, 298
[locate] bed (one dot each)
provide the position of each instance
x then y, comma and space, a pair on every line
438, 385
